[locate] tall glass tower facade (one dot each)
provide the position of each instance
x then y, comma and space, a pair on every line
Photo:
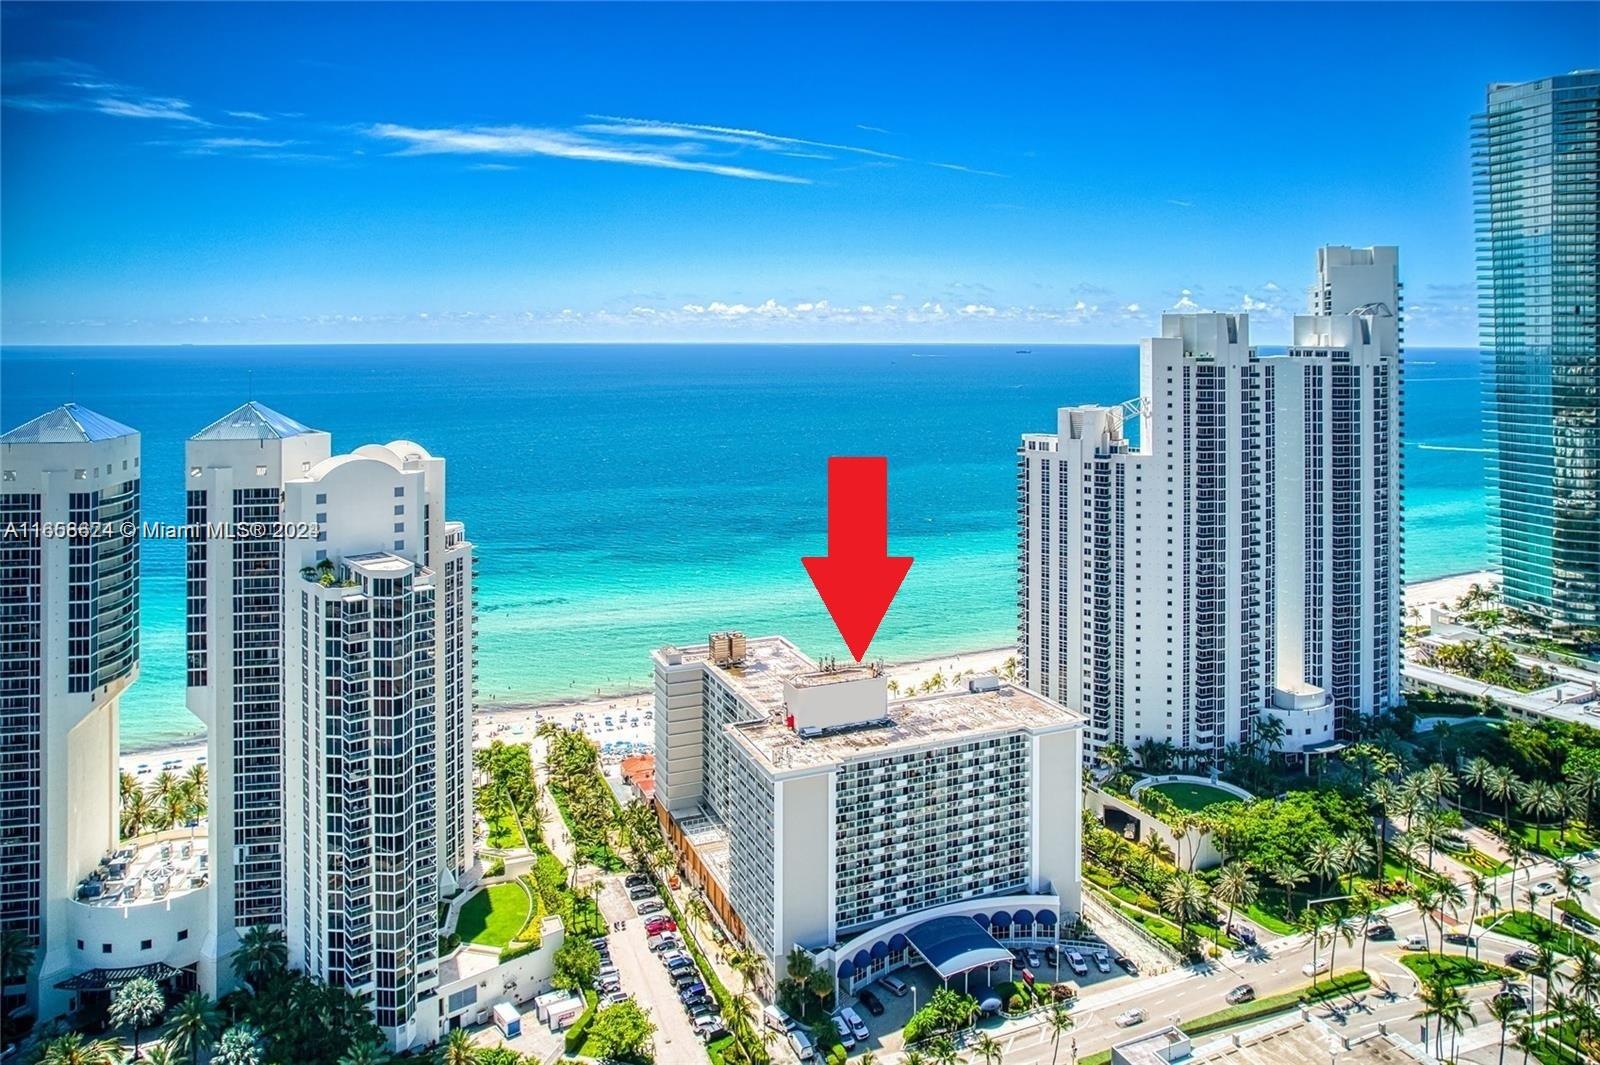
1537, 177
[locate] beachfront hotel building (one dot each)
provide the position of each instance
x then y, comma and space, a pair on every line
873, 832
1536, 165
377, 688
1240, 554
97, 911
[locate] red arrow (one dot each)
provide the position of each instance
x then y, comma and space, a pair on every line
858, 579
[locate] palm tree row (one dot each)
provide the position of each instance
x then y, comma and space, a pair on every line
169, 800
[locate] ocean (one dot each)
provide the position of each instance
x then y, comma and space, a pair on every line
623, 497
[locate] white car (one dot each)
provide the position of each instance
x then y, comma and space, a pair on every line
857, 1028
1544, 888
1102, 961
1316, 968
1076, 963
845, 1036
1130, 1018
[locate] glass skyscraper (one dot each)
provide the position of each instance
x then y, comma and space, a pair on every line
1537, 175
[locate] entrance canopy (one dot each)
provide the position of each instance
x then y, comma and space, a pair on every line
952, 945
111, 979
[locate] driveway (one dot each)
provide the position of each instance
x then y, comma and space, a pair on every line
645, 978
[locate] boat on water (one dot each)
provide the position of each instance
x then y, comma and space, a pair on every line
1024, 351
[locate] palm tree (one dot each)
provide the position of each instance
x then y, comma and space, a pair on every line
457, 1049
988, 1048
262, 952
1540, 800
1309, 923
1451, 897
240, 1045
1516, 851
195, 1023
749, 964
1477, 775
1585, 783
1184, 897
1503, 784
127, 785
74, 1049
1448, 1006
365, 1054
1568, 802
1504, 1009
820, 985
1338, 929
1426, 896
1355, 856
1383, 797
1287, 876
1060, 1022
138, 1004
1322, 859
1481, 887
162, 790
162, 1054
1546, 964
1368, 901
137, 813
943, 1051
16, 955
1235, 887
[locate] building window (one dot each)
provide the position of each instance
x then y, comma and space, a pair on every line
146, 944
183, 933
261, 471
105, 948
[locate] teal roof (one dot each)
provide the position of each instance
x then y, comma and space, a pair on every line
252, 422
68, 424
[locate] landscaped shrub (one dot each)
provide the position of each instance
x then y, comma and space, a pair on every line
580, 1028
494, 867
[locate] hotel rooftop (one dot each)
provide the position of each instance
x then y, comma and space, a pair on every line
855, 718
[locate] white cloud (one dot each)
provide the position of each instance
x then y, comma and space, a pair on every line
224, 143
966, 169
1181, 203
158, 107
253, 116
1186, 303
555, 143
649, 127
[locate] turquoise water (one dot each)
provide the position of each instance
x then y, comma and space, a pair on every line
622, 497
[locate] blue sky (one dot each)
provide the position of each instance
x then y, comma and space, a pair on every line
324, 173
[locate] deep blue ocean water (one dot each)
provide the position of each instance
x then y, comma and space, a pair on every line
622, 497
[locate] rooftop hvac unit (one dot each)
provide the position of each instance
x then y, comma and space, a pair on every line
988, 682
726, 648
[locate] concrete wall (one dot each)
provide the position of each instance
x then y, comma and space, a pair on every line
1206, 855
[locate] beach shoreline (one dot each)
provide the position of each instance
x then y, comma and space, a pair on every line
504, 716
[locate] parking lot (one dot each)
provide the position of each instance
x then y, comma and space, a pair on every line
645, 979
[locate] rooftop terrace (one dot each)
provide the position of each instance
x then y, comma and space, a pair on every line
154, 869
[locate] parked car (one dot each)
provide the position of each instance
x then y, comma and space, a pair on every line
708, 1028
1522, 959
634, 880
1130, 1018
894, 985
613, 998
1380, 932
857, 1027
1051, 955
800, 1043
1102, 961
694, 989
1242, 993
649, 906
695, 1000
1034, 958
846, 1039
1127, 965
1076, 963
777, 1020
664, 941
870, 1002
660, 924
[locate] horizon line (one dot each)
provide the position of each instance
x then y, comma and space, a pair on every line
4, 346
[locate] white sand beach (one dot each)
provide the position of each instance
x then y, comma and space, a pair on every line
516, 721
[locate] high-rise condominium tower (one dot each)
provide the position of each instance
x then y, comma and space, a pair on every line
1537, 171
1241, 555
236, 470
377, 686
69, 648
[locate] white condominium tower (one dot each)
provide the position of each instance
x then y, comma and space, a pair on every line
1241, 555
236, 469
377, 686
816, 811
69, 648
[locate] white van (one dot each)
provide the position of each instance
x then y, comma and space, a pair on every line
800, 1043
894, 985
777, 1020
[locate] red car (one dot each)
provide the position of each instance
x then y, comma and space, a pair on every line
659, 925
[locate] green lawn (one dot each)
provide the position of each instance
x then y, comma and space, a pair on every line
1548, 840
1193, 797
1483, 863
1535, 928
494, 915
1573, 907
1457, 971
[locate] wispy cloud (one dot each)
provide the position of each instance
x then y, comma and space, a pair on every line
967, 169
753, 138
495, 167
555, 143
225, 143
871, 129
253, 116
158, 107
1181, 203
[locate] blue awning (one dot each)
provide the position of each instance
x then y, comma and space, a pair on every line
1046, 918
897, 942
982, 919
1002, 920
880, 951
847, 969
1023, 917
862, 959
953, 945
